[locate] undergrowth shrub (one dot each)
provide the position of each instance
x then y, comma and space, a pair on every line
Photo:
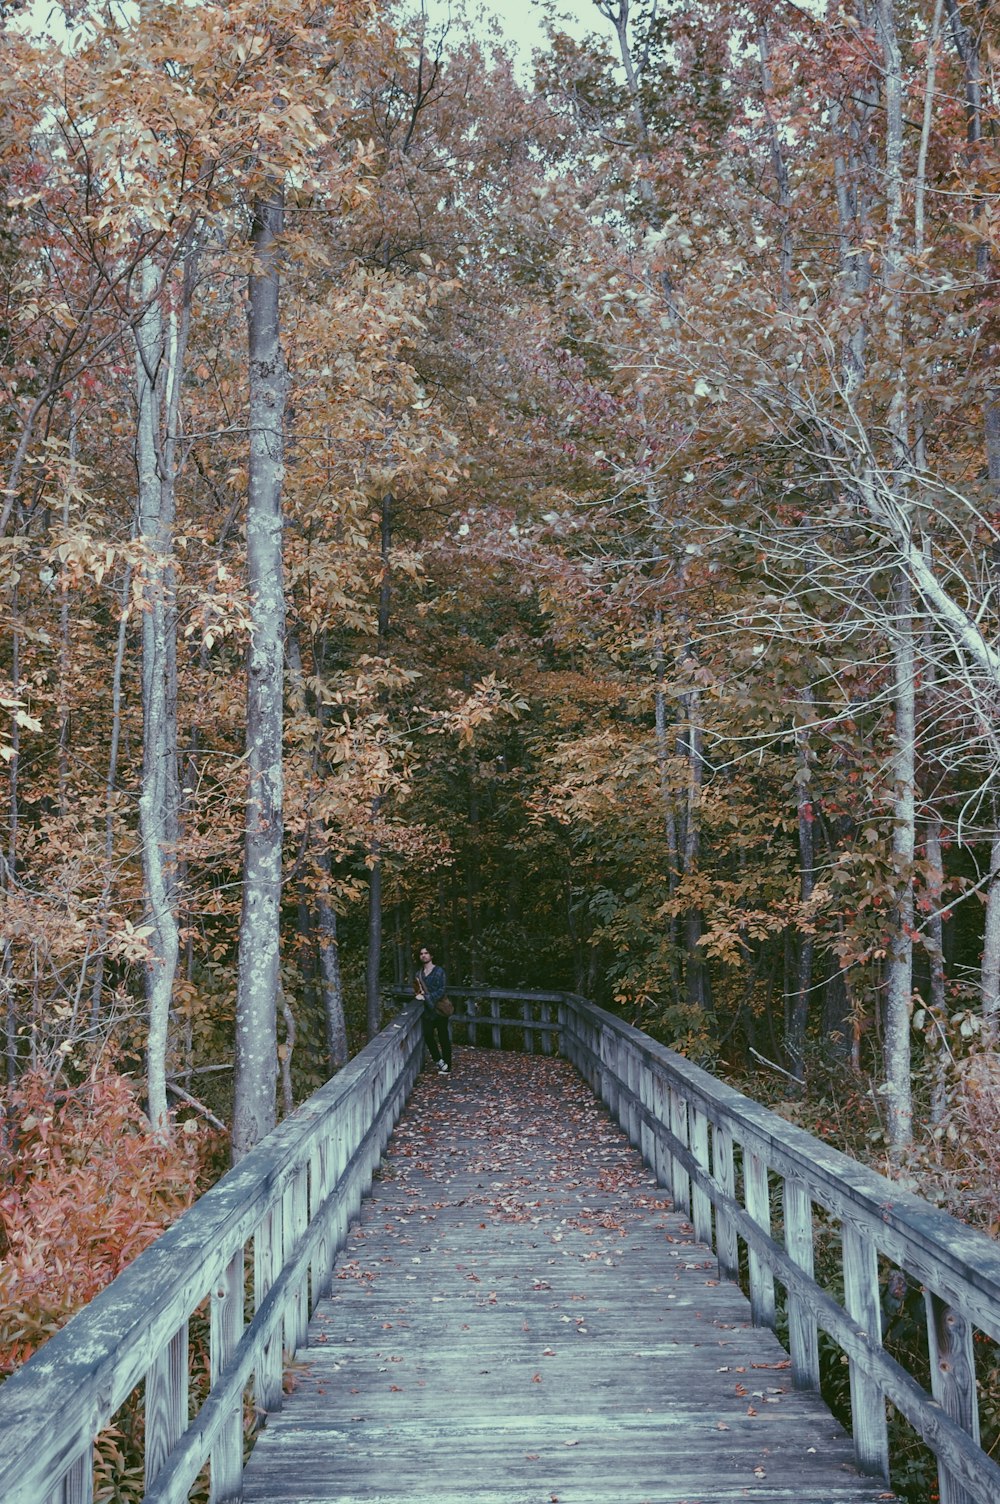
84, 1187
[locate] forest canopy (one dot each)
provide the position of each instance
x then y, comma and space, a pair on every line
551, 511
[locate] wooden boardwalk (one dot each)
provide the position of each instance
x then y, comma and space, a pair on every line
519, 1318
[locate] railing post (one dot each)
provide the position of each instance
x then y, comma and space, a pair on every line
953, 1382
647, 1137
701, 1202
226, 1327
662, 1161
727, 1249
609, 1083
631, 1082
529, 1033
495, 1016
758, 1204
803, 1333
545, 1013
319, 1185
680, 1180
295, 1217
268, 1248
863, 1303
166, 1402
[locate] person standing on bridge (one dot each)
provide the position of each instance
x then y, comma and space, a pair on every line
431, 984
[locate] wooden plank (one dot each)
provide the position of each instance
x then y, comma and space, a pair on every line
863, 1302
226, 1323
803, 1330
167, 1403
519, 1313
757, 1198
953, 1380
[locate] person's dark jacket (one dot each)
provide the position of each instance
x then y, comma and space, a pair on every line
434, 984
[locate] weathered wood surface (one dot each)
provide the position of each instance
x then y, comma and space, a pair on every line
519, 1318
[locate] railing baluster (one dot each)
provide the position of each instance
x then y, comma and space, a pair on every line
726, 1240
630, 1073
529, 1033
495, 1016
226, 1327
78, 1485
803, 1334
953, 1382
862, 1300
660, 1105
680, 1180
545, 1013
758, 1203
701, 1204
319, 1273
166, 1402
268, 1248
644, 1086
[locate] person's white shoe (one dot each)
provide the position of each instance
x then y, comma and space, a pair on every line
442, 1068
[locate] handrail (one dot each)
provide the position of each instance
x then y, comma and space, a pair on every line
697, 1133
292, 1198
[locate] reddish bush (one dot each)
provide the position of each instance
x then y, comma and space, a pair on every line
84, 1187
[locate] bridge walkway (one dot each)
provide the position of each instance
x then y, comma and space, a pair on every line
520, 1318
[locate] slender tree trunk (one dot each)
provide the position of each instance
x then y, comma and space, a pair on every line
472, 893
778, 165
97, 985
695, 991
259, 956
666, 793
329, 968
10, 856
934, 929
373, 995
934, 945
967, 47
65, 647
799, 1013
285, 1053
158, 796
899, 970
990, 971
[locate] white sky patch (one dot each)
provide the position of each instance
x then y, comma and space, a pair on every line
523, 21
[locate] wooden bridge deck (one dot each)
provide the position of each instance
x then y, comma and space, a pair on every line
519, 1318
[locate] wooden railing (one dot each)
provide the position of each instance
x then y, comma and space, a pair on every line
264, 1237
498, 1018
738, 1171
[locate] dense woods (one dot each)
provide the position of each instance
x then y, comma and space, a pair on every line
553, 512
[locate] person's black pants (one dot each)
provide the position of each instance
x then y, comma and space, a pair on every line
437, 1036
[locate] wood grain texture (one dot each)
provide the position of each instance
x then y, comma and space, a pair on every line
519, 1315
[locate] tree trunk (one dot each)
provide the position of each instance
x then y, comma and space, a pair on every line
158, 796
329, 970
10, 855
799, 1012
989, 980
259, 953
899, 970
967, 47
97, 986
373, 994
934, 945
695, 991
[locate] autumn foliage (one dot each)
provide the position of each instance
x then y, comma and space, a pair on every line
85, 1187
